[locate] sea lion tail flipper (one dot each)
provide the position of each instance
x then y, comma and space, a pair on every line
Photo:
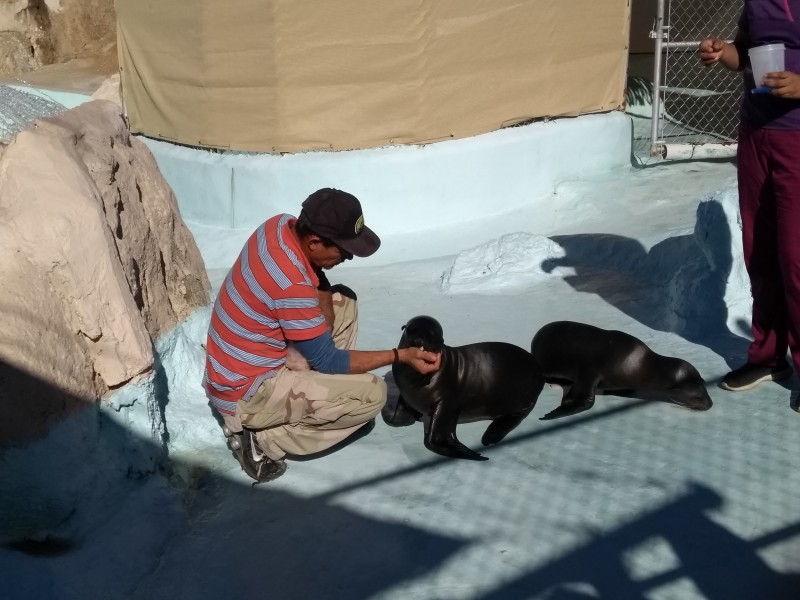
502, 426
440, 435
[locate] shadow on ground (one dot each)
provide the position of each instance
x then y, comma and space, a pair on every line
84, 521
708, 561
678, 286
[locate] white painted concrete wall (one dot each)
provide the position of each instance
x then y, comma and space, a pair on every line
408, 192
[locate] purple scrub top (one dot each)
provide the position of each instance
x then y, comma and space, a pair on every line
770, 22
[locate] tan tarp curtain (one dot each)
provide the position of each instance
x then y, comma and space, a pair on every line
288, 76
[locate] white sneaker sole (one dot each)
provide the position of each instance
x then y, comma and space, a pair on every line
771, 377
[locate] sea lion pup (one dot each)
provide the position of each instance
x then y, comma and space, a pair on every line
584, 359
486, 381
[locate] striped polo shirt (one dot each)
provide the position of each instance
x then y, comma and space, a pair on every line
268, 297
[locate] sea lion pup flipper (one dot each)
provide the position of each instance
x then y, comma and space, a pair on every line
578, 397
440, 434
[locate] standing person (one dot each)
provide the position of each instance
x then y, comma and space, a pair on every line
276, 293
768, 167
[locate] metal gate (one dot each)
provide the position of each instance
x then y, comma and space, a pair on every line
695, 108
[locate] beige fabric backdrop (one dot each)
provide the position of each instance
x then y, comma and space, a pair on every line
287, 76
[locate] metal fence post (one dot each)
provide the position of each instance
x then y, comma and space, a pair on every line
695, 109
658, 34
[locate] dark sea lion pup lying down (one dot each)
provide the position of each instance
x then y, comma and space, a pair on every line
486, 381
584, 359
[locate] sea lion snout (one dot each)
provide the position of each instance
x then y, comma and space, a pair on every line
422, 332
699, 400
694, 396
690, 390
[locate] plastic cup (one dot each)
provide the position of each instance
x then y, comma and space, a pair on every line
766, 59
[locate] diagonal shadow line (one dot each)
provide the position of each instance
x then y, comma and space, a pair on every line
555, 428
768, 539
507, 442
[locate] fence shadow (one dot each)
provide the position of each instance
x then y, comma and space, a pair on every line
708, 559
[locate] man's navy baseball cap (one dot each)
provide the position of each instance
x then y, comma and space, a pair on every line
337, 216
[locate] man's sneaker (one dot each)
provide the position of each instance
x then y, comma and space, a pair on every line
749, 376
252, 459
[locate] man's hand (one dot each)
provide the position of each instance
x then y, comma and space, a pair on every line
421, 360
711, 50
784, 84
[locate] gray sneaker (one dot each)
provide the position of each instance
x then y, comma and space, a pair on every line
749, 376
252, 459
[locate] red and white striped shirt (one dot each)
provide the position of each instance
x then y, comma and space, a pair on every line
268, 297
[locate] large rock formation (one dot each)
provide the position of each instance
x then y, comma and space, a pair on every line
95, 264
39, 33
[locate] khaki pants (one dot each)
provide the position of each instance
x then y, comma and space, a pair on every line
304, 412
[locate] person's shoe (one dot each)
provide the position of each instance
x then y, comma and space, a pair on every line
749, 376
794, 400
232, 438
252, 459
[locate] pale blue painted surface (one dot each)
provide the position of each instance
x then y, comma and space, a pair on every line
402, 189
65, 99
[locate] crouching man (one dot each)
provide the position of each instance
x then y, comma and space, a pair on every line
276, 305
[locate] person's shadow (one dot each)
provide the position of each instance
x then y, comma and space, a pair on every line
681, 285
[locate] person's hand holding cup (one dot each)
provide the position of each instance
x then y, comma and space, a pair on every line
766, 60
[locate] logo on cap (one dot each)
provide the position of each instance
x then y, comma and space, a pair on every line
359, 224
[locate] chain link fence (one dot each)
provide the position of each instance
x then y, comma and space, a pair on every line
19, 110
693, 105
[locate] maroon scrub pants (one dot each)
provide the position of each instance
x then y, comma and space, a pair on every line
768, 166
